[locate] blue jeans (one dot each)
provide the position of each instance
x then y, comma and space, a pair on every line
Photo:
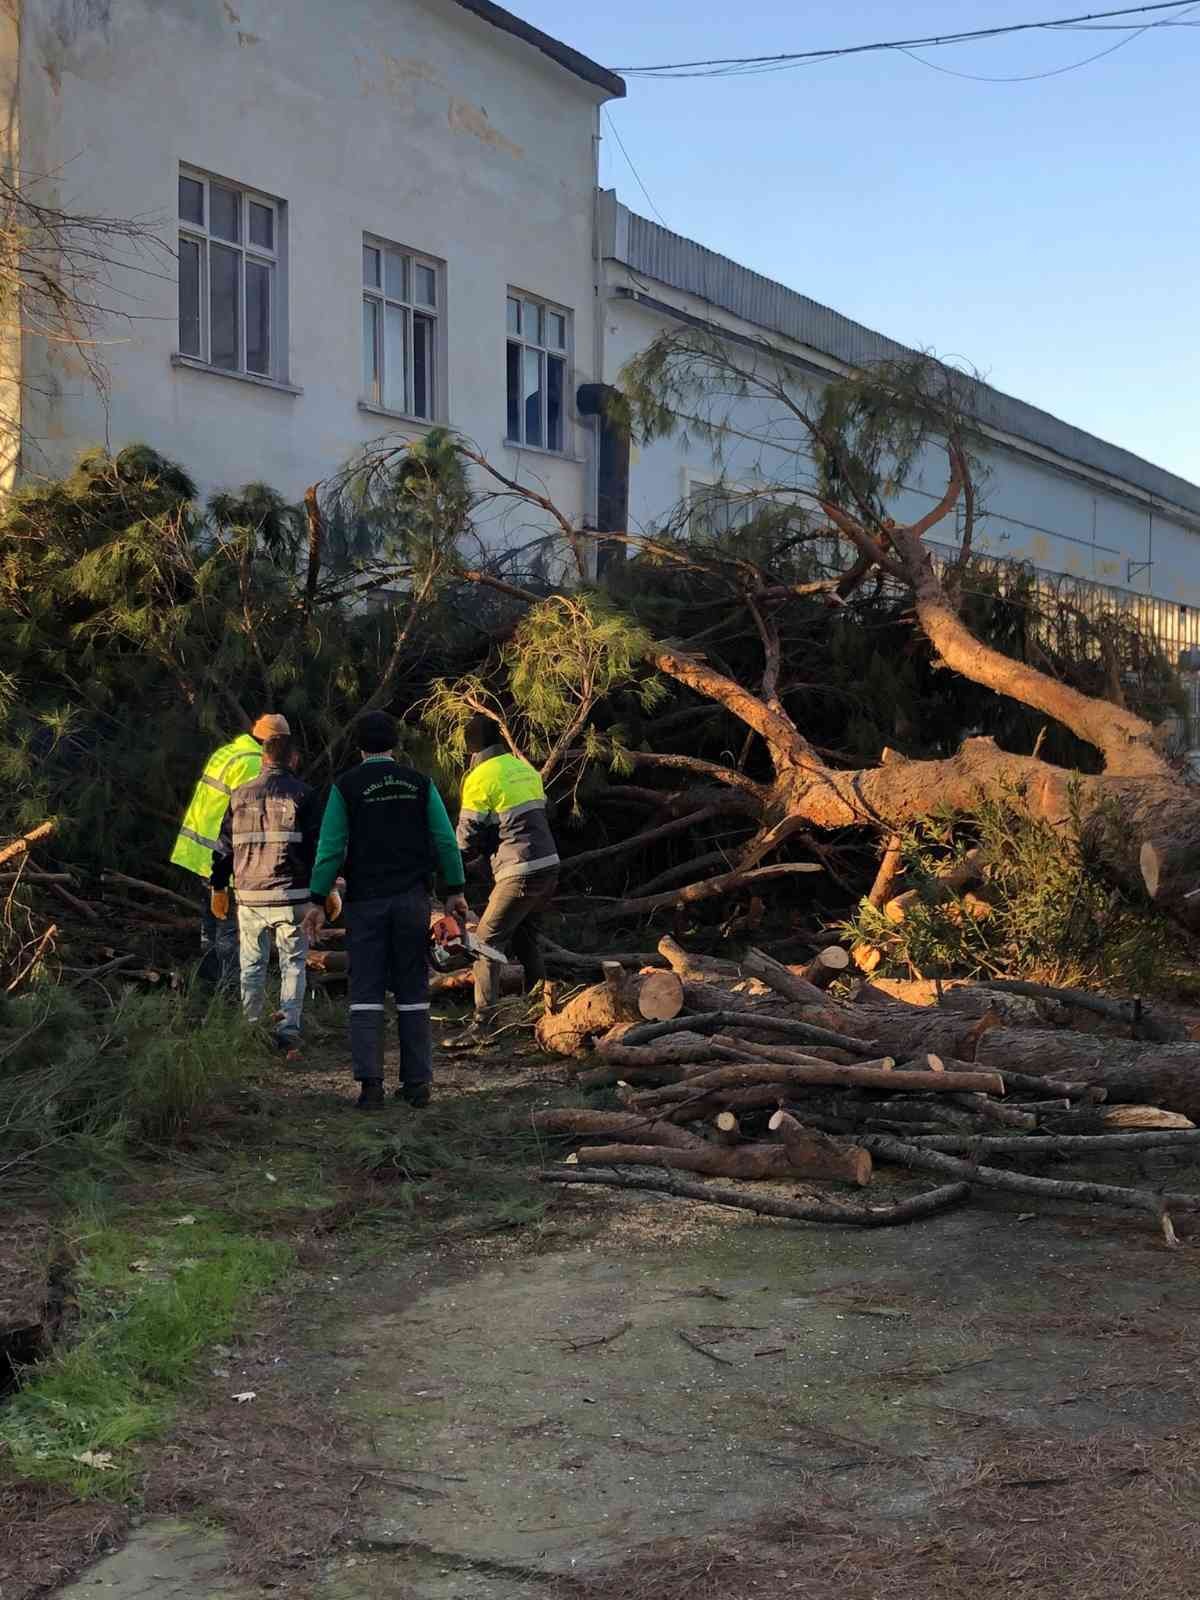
257, 926
219, 946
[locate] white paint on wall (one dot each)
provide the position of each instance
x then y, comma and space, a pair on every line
412, 120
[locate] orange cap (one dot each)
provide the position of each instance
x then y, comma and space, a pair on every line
270, 726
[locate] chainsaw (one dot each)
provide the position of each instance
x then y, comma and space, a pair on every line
453, 947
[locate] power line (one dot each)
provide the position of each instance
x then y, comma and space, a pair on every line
732, 65
612, 127
1051, 72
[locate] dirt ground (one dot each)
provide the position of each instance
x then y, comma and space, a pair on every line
477, 1385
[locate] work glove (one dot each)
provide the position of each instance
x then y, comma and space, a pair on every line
333, 906
219, 903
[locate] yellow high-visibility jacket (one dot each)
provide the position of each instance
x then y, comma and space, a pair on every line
199, 834
503, 812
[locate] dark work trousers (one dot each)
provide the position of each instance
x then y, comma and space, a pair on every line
512, 921
219, 957
388, 944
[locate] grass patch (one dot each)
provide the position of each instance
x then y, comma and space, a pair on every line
151, 1299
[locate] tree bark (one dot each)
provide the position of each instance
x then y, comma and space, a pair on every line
827, 966
647, 996
956, 876
696, 968
1057, 1144
808, 1150
803, 1159
1129, 1069
800, 991
868, 1077
767, 1205
609, 1124
736, 1019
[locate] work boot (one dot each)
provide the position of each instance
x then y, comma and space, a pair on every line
417, 1095
370, 1095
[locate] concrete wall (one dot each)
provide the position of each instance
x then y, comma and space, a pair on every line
409, 119
1052, 513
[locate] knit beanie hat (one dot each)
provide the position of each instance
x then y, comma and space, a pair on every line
270, 726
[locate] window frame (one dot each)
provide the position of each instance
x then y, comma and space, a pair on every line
412, 310
546, 353
247, 252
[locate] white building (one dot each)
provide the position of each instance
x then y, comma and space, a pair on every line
1111, 527
383, 212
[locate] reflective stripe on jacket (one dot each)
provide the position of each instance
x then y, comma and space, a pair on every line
503, 814
268, 839
226, 770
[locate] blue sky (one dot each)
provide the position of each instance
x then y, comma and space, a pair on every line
1046, 233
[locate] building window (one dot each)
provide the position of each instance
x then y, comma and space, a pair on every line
538, 346
715, 511
401, 302
229, 254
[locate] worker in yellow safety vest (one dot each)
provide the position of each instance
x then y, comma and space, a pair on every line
225, 770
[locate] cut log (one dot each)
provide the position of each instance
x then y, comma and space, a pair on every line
768, 1205
696, 968
922, 1158
609, 1124
809, 1152
728, 1130
827, 966
826, 1075
708, 1021
710, 997
723, 1043
1060, 1144
622, 997
757, 964
989, 1111
1129, 1069
1051, 1088
748, 1161
955, 877
866, 957
677, 1047
512, 976
1111, 1119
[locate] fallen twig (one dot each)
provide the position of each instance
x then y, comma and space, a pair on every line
702, 1349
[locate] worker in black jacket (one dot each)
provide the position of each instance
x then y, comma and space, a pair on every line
266, 844
389, 825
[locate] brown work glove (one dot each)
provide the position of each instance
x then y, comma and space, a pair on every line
218, 902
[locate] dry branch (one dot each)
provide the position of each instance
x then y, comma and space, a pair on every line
606, 1124
26, 841
764, 1205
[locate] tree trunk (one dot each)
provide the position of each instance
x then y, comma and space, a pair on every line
756, 964
827, 966
867, 1077
648, 996
1130, 1069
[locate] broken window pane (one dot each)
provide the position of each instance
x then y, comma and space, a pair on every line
225, 207
258, 317
223, 307
191, 201
189, 297
555, 389
422, 367
262, 226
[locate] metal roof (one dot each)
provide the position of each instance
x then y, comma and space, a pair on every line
655, 252
574, 62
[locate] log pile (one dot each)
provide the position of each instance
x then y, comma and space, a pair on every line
766, 1076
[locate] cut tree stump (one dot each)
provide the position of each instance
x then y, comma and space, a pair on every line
622, 997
